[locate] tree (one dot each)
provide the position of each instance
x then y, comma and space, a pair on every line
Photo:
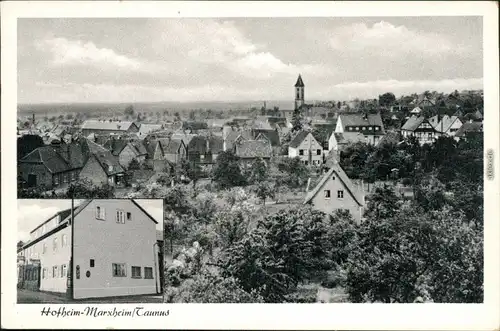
134, 165
284, 249
264, 190
296, 173
84, 189
209, 287
383, 204
258, 171
226, 172
297, 121
129, 110
28, 143
432, 256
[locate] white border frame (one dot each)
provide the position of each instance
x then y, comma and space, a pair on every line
270, 316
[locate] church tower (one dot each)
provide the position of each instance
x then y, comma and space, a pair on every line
299, 93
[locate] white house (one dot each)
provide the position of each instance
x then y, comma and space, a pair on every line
110, 249
449, 125
307, 148
420, 128
370, 125
335, 191
338, 141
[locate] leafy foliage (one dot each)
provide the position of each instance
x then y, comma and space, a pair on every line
226, 172
28, 143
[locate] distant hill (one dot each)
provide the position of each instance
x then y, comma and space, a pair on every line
55, 108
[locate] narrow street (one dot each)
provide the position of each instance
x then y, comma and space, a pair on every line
27, 296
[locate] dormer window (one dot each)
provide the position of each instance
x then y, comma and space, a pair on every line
357, 128
377, 128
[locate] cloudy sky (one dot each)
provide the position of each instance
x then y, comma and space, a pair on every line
33, 212
244, 59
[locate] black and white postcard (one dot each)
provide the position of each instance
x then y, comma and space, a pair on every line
333, 160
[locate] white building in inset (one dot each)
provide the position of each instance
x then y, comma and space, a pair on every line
110, 249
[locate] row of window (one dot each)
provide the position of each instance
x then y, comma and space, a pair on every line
120, 217
57, 271
120, 270
32, 252
340, 194
313, 162
318, 152
363, 128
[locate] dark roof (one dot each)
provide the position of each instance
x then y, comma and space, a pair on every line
254, 149
115, 146
297, 140
357, 119
138, 147
272, 135
107, 161
194, 125
169, 146
299, 82
337, 169
413, 123
50, 158
469, 127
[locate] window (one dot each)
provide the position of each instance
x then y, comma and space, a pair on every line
120, 216
63, 271
363, 128
350, 128
44, 273
54, 271
318, 152
202, 157
340, 194
56, 179
148, 272
306, 162
333, 177
136, 272
100, 213
377, 128
370, 128
64, 241
54, 244
357, 128
92, 263
327, 194
301, 152
129, 216
119, 270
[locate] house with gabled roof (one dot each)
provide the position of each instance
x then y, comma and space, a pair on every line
101, 248
306, 148
108, 127
335, 191
420, 128
250, 150
102, 167
168, 152
449, 125
370, 125
126, 150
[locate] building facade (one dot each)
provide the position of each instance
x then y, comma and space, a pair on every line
370, 125
306, 148
114, 251
335, 191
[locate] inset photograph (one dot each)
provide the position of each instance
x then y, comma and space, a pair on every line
92, 251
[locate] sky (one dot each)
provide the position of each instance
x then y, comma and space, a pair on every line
244, 59
33, 212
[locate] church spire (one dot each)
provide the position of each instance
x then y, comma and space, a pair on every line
299, 83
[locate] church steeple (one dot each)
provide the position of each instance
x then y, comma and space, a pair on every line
299, 93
